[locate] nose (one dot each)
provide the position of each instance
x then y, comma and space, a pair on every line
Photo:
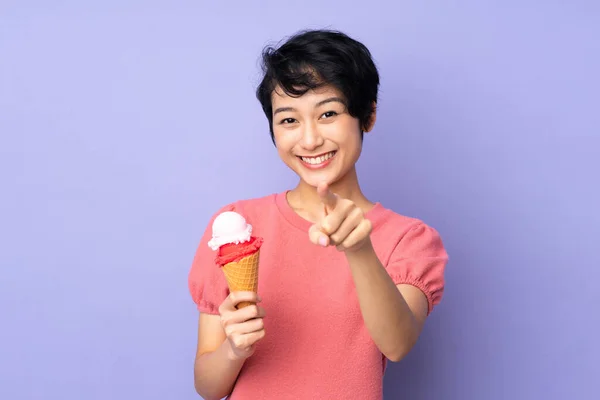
311, 137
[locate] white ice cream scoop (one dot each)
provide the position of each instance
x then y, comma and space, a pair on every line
229, 227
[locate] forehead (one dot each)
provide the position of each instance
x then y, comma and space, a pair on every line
279, 97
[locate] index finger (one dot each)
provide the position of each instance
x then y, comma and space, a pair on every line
327, 196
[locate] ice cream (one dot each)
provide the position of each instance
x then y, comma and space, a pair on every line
237, 252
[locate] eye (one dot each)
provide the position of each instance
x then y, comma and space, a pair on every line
329, 114
287, 121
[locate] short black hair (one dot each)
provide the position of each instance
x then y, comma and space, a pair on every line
313, 58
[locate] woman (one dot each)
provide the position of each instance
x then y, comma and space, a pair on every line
345, 284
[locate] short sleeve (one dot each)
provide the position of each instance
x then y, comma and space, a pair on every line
419, 259
206, 282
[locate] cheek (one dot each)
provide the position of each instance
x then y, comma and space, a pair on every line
284, 147
347, 136
283, 154
353, 151
285, 140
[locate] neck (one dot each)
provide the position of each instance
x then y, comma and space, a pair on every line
306, 202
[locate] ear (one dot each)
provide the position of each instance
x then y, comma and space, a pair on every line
372, 119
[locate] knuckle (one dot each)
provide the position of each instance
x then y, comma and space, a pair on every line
368, 225
229, 332
254, 310
335, 238
238, 341
225, 320
326, 224
260, 323
349, 207
357, 213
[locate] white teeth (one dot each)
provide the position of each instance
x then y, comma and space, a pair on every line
318, 160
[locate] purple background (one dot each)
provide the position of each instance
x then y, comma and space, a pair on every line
121, 124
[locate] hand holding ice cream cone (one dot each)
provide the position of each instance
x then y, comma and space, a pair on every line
244, 327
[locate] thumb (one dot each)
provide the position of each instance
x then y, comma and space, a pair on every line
317, 237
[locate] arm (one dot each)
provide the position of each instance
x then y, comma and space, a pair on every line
224, 343
214, 370
394, 315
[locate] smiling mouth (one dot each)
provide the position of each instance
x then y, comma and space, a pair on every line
319, 159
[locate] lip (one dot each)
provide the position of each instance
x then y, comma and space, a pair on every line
318, 166
318, 155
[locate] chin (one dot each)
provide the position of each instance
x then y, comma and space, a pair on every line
314, 178
314, 181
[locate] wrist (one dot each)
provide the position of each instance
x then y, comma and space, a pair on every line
230, 352
365, 250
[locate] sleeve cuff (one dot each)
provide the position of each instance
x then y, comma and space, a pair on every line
400, 280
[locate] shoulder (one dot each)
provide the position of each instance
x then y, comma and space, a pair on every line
397, 233
394, 225
256, 204
252, 209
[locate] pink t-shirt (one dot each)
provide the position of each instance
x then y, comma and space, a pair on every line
316, 344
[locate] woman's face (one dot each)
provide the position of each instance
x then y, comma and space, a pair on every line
314, 134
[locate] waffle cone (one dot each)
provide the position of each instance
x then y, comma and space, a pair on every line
242, 275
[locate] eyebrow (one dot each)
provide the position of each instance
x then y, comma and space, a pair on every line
319, 104
283, 109
330, 100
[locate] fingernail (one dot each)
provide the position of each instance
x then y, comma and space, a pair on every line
323, 241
